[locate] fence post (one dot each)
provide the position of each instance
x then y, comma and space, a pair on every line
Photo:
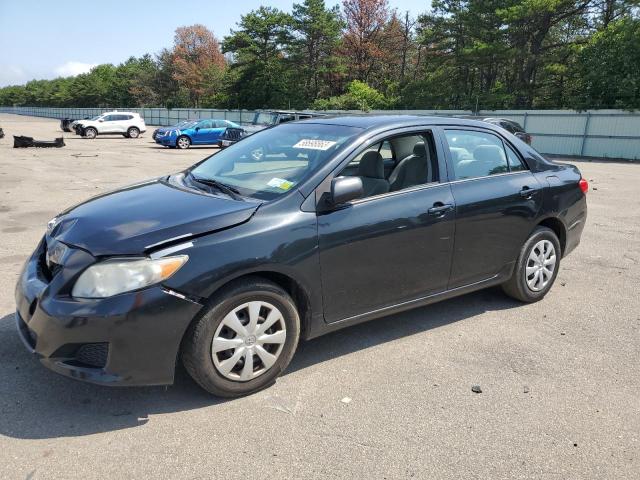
524, 122
584, 133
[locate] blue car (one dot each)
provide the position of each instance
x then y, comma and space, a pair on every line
201, 132
162, 131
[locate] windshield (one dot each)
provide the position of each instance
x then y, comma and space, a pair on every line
272, 162
265, 118
96, 117
186, 124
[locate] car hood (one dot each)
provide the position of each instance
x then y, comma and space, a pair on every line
144, 217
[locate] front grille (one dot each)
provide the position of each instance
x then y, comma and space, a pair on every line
233, 134
93, 354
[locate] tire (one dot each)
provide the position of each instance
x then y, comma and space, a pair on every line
209, 369
133, 132
183, 142
90, 132
523, 285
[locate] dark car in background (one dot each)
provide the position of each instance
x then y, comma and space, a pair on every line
294, 232
510, 126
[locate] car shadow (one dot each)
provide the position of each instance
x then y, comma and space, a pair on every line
36, 403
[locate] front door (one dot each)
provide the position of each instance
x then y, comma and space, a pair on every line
497, 200
394, 245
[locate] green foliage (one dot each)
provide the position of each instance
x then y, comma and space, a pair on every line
359, 96
607, 68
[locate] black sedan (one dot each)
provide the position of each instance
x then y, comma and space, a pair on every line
291, 233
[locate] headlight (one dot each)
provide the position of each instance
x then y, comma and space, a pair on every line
111, 277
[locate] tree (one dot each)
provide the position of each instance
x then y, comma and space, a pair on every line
363, 39
318, 30
263, 77
196, 56
606, 70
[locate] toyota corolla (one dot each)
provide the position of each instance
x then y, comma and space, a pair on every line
291, 233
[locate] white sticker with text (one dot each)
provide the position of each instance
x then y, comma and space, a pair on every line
311, 144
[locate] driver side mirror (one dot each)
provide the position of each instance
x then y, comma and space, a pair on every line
345, 189
197, 129
101, 119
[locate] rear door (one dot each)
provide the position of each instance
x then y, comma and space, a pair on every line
497, 201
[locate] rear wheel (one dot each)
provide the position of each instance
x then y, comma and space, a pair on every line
133, 132
90, 132
183, 142
245, 339
536, 268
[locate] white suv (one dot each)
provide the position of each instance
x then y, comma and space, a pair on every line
129, 124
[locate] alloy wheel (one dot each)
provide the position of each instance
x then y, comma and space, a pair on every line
540, 265
183, 142
248, 341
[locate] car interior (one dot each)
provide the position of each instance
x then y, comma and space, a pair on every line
478, 154
395, 164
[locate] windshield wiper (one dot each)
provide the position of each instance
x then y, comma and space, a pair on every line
223, 187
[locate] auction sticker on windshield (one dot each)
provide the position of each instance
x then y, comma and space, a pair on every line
312, 144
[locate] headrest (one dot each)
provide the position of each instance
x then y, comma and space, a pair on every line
488, 153
419, 150
371, 165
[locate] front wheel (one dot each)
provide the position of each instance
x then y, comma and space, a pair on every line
244, 340
133, 132
536, 268
183, 142
90, 132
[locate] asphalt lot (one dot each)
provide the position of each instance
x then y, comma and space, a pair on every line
560, 379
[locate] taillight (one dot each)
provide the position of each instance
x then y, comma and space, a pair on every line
584, 185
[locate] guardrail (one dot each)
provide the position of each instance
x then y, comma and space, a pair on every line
594, 133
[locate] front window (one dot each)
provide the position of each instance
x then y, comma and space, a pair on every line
272, 162
265, 118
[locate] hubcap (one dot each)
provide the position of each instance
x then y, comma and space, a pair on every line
133, 133
183, 143
540, 265
91, 133
248, 341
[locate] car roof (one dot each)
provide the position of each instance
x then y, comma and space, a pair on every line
367, 122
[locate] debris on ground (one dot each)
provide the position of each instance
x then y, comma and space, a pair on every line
79, 155
476, 389
526, 389
346, 400
24, 142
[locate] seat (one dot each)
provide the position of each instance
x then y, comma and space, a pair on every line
487, 160
413, 170
371, 172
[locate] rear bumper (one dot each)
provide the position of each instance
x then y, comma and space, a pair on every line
132, 338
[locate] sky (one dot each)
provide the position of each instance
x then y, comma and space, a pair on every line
51, 38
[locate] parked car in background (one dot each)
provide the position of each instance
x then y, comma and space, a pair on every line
161, 131
67, 124
201, 132
128, 124
266, 119
512, 127
292, 233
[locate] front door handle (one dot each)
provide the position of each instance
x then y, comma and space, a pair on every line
440, 209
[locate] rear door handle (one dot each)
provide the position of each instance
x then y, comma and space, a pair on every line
527, 192
440, 209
